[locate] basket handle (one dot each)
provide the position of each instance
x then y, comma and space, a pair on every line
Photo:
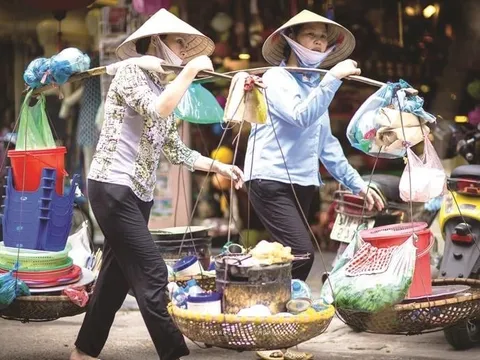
64, 172
429, 247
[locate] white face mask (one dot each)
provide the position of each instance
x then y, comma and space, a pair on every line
307, 58
164, 52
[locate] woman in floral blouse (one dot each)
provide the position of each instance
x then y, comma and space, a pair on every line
138, 126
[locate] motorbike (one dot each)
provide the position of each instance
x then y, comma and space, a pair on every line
350, 212
459, 220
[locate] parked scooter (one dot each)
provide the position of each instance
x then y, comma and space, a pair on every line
460, 224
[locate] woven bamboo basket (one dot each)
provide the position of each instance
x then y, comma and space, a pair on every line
417, 318
41, 308
250, 333
206, 282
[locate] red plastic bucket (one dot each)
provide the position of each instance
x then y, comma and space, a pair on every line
33, 162
394, 235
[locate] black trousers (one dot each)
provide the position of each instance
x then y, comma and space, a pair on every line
279, 212
130, 261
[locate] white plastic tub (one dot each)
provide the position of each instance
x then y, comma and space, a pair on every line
210, 304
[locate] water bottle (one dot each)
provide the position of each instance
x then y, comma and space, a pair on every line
179, 298
193, 289
300, 290
172, 287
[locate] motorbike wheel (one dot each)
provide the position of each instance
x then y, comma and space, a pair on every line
464, 335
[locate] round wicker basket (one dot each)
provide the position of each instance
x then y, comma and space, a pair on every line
420, 317
250, 333
206, 282
53, 307
41, 308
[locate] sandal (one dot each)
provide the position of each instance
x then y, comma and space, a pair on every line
297, 355
270, 355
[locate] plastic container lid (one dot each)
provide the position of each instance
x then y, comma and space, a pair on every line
205, 297
298, 305
184, 263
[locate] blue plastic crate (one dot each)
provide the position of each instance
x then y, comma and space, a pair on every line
38, 220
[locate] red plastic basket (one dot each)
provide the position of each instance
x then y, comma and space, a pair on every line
27, 167
397, 234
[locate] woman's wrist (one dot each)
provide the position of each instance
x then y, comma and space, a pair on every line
216, 166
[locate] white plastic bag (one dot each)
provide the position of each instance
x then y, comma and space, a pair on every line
370, 279
81, 250
424, 177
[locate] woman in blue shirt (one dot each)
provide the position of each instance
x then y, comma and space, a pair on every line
284, 153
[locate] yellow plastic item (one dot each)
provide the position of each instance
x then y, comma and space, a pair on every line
223, 154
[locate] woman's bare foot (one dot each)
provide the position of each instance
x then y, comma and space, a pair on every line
78, 355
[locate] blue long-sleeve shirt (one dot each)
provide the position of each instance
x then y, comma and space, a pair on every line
298, 114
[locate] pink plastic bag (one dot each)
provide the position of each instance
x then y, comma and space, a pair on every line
77, 295
150, 7
424, 177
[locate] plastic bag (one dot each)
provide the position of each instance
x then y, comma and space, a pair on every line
150, 7
10, 289
199, 106
57, 69
34, 129
81, 251
38, 73
424, 177
78, 295
376, 127
68, 62
367, 278
245, 101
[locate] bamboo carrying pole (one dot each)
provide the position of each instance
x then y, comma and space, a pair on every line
210, 76
103, 70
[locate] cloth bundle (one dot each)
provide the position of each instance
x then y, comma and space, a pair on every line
57, 69
389, 121
245, 102
391, 136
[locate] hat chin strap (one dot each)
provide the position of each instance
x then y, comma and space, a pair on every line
164, 52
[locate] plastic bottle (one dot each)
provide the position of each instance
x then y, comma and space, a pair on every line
300, 290
172, 287
179, 298
193, 288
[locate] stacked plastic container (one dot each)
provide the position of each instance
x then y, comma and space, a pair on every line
37, 215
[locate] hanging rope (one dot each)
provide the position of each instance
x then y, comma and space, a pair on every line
211, 77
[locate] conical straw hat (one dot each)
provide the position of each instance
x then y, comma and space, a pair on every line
337, 35
161, 23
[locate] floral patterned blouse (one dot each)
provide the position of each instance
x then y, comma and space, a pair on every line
133, 134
